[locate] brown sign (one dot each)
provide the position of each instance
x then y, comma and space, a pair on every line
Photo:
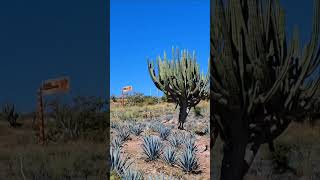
127, 89
54, 86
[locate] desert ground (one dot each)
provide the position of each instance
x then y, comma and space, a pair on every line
297, 154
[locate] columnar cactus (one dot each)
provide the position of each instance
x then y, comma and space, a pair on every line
181, 80
259, 81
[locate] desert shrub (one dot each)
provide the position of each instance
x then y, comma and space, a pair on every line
9, 114
135, 99
150, 100
55, 163
280, 157
188, 161
118, 164
132, 175
85, 117
164, 132
113, 98
169, 156
197, 111
151, 147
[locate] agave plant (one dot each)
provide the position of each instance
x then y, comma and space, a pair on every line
151, 147
137, 129
161, 177
132, 175
156, 126
164, 132
117, 143
114, 125
185, 137
169, 156
174, 141
118, 164
124, 133
188, 161
190, 144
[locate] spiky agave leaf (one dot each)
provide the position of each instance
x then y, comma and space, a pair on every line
132, 175
124, 133
164, 132
190, 144
117, 143
118, 164
137, 129
169, 156
188, 161
174, 140
151, 147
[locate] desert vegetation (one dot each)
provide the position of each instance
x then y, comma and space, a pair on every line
260, 82
145, 142
180, 79
75, 142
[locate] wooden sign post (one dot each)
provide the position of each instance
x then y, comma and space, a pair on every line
49, 87
124, 91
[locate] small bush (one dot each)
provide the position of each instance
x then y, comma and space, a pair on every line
197, 112
151, 147
9, 113
280, 158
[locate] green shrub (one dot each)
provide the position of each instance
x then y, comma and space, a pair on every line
86, 117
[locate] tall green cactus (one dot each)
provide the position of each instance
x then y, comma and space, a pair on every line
259, 82
181, 80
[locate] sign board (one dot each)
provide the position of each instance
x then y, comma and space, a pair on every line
126, 89
54, 86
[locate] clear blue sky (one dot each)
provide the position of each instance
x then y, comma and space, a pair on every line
42, 39
144, 28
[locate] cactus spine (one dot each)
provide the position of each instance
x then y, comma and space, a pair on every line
181, 80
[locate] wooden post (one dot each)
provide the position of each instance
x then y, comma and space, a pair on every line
40, 117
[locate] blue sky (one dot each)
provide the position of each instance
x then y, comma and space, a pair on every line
144, 28
41, 40
141, 29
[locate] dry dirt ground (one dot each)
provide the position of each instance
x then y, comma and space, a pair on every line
133, 150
